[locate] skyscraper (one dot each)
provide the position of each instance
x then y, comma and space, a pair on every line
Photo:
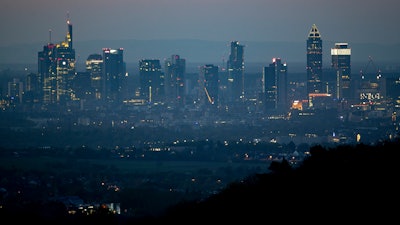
275, 86
113, 73
341, 63
65, 67
175, 69
94, 66
56, 70
209, 84
47, 74
235, 66
314, 61
151, 80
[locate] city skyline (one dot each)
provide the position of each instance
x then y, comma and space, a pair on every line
123, 111
58, 76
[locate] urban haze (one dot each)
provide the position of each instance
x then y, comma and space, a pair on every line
138, 125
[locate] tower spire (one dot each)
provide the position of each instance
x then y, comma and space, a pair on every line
69, 32
314, 32
67, 17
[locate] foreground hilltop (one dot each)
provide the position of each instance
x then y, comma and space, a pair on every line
341, 184
344, 184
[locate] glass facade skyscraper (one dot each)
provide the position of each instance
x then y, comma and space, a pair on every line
341, 63
113, 73
175, 69
56, 70
151, 80
314, 62
275, 86
235, 66
94, 66
209, 84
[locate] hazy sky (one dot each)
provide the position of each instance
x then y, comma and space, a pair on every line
27, 21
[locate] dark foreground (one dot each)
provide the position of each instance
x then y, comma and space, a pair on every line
345, 184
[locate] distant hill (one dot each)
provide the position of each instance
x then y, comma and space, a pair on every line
197, 52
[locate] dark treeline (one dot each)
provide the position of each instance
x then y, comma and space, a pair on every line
343, 184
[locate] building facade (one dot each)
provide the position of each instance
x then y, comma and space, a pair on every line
94, 66
209, 84
113, 74
275, 86
151, 80
341, 63
314, 62
56, 70
235, 67
175, 69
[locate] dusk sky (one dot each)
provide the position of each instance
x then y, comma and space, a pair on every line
26, 21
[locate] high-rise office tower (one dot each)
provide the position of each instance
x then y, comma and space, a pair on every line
275, 86
209, 84
341, 63
314, 62
94, 66
151, 80
47, 74
65, 67
113, 73
235, 66
56, 70
175, 69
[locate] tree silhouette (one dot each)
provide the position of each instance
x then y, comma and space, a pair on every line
280, 167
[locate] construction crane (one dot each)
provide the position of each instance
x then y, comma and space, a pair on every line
370, 62
208, 96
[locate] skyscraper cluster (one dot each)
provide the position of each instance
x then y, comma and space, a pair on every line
106, 83
323, 86
212, 95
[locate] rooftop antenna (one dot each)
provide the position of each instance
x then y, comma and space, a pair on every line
68, 17
49, 36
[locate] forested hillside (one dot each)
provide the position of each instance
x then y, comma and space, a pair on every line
345, 184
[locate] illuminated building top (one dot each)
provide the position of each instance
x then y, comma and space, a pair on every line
341, 49
314, 32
